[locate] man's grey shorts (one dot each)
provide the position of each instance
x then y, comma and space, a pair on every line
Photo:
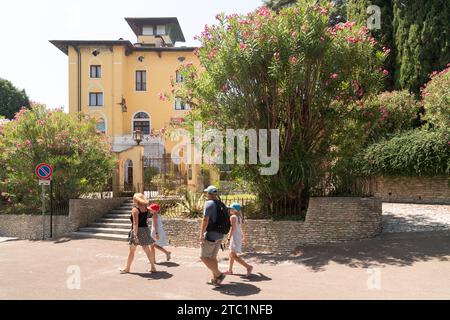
210, 249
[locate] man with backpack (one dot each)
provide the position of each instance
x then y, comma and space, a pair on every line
215, 225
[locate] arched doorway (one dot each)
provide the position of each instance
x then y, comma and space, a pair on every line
128, 175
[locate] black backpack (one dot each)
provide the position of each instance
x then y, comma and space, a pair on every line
222, 224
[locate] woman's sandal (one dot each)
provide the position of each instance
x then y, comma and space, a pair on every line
152, 271
168, 255
228, 273
220, 279
124, 271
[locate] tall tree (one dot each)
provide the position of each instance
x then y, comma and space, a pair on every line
422, 40
417, 33
11, 99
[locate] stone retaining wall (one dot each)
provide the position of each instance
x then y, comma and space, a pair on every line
328, 220
81, 213
432, 190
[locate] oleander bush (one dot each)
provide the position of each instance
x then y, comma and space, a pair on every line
81, 157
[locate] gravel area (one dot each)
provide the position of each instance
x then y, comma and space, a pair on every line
415, 217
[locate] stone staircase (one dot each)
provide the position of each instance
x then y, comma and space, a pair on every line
114, 226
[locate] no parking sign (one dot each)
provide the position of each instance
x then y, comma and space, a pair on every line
44, 171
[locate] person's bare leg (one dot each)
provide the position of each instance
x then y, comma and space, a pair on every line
230, 264
131, 254
213, 265
240, 261
161, 249
151, 257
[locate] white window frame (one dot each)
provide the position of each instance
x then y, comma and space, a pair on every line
96, 105
158, 29
149, 120
90, 71
179, 77
179, 104
104, 121
146, 29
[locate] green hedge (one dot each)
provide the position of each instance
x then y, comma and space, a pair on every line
412, 153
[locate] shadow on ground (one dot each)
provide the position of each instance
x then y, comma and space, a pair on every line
238, 289
398, 249
160, 275
168, 264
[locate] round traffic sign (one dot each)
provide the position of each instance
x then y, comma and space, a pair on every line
44, 171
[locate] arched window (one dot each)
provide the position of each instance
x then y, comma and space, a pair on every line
141, 121
101, 125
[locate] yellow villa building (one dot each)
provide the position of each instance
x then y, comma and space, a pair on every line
119, 83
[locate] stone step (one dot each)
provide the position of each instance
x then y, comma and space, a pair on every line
124, 231
125, 207
117, 216
103, 236
110, 225
119, 211
113, 220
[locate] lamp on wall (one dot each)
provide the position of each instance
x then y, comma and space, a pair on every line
138, 136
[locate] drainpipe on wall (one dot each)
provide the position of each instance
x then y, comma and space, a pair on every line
77, 49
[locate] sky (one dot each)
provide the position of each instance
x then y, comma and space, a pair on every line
32, 63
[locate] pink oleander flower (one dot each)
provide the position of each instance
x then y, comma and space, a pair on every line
323, 11
28, 143
360, 93
294, 34
385, 72
41, 122
349, 24
293, 60
333, 76
243, 46
386, 50
263, 12
322, 39
162, 131
162, 96
352, 40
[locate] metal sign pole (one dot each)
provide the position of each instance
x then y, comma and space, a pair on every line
43, 212
51, 210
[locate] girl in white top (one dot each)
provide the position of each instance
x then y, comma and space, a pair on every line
158, 232
236, 238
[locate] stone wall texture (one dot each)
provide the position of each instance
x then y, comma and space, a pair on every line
329, 220
432, 190
81, 213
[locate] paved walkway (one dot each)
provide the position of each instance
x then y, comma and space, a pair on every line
415, 217
409, 266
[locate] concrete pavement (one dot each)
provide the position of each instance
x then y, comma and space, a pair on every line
393, 266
